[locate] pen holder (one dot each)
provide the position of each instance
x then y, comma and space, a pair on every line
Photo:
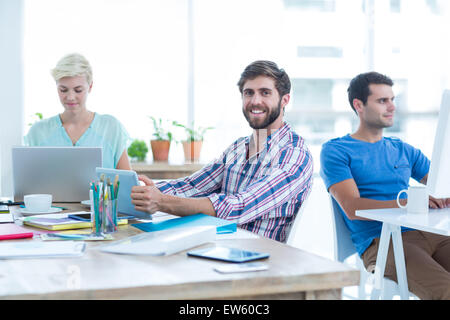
103, 195
109, 216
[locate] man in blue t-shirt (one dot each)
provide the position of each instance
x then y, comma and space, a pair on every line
366, 170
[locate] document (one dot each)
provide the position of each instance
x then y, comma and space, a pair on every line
38, 249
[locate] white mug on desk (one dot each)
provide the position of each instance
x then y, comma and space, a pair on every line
417, 199
37, 202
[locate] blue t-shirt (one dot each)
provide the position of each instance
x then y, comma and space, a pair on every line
380, 170
105, 131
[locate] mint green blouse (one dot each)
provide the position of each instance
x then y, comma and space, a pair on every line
105, 131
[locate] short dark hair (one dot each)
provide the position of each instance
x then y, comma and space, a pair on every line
359, 86
268, 69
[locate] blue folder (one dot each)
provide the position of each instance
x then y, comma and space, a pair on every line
199, 219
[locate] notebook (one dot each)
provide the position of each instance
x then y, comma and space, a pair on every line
55, 223
60, 222
41, 249
196, 220
10, 231
63, 172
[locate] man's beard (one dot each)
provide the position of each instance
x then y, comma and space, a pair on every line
272, 115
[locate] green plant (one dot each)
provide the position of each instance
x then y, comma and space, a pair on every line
192, 133
138, 149
39, 117
160, 131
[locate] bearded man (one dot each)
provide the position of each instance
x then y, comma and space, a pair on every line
260, 181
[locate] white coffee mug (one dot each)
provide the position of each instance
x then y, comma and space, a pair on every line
417, 199
37, 202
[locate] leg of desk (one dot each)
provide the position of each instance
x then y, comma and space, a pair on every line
381, 261
400, 266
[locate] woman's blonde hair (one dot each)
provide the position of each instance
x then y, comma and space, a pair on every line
72, 65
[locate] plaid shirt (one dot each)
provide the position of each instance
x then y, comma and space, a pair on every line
262, 194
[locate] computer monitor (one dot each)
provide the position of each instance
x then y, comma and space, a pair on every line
438, 182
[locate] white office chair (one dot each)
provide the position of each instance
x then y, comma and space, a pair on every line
295, 225
344, 248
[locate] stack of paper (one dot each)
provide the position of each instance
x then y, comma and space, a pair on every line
162, 242
38, 249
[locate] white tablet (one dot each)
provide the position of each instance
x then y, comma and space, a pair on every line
128, 179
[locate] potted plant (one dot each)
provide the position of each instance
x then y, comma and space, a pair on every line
193, 144
138, 150
161, 142
38, 116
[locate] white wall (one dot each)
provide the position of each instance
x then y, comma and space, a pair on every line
11, 87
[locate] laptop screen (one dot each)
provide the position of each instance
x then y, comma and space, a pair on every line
63, 172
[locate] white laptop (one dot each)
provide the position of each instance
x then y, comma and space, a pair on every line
63, 172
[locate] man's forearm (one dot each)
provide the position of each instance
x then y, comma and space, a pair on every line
186, 206
366, 204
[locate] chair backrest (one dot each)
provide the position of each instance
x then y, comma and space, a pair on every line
343, 245
295, 225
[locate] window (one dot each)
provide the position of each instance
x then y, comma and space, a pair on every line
318, 5
433, 5
319, 52
138, 50
396, 6
312, 93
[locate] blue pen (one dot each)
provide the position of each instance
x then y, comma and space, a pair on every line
96, 208
62, 208
66, 236
95, 204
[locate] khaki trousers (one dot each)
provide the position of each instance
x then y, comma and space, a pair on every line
427, 259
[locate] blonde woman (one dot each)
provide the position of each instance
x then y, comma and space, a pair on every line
76, 125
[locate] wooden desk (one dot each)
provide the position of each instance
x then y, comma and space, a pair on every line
164, 170
293, 274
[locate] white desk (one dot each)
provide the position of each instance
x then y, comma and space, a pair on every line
436, 221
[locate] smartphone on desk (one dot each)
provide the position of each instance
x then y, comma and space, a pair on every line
228, 254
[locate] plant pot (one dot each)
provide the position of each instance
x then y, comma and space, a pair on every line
160, 150
192, 150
